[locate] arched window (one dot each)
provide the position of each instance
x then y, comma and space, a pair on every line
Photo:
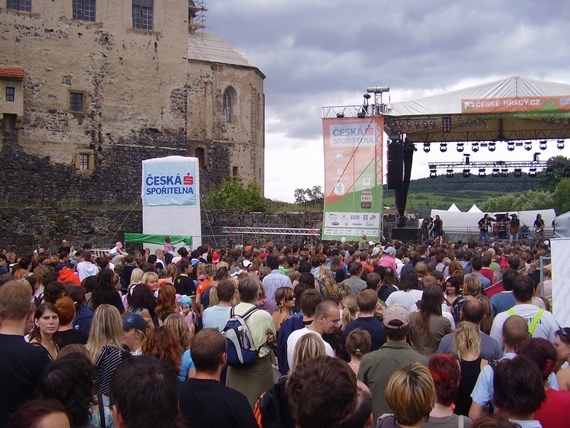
229, 94
199, 153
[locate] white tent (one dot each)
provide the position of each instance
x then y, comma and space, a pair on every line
453, 208
475, 209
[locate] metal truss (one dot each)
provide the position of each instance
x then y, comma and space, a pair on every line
271, 231
359, 111
488, 164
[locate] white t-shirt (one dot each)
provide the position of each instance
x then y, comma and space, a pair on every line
294, 338
545, 328
407, 299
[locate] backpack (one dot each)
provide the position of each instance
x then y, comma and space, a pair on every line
241, 348
272, 409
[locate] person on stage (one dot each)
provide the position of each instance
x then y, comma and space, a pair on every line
514, 226
539, 229
484, 225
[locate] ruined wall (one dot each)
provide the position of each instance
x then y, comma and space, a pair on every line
235, 148
134, 86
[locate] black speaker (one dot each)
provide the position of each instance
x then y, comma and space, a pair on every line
407, 234
395, 165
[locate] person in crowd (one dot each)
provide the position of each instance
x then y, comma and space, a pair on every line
428, 326
204, 401
40, 413
150, 279
85, 267
216, 316
477, 266
83, 315
410, 291
468, 349
410, 393
184, 333
504, 300
307, 347
263, 302
562, 345
453, 297
165, 304
515, 331
44, 335
143, 393
106, 292
348, 308
355, 282
285, 299
141, 301
446, 375
473, 311
104, 344
367, 306
322, 392
541, 323
309, 299
68, 274
275, 278
134, 333
358, 343
519, 390
67, 334
21, 365
163, 344
253, 379
378, 366
553, 412
71, 380
327, 317
494, 421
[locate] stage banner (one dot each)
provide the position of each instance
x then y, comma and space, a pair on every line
353, 150
169, 181
530, 107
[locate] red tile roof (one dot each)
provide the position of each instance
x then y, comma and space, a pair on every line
12, 73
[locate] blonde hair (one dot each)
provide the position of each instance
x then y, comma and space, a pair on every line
106, 329
178, 325
343, 290
330, 286
136, 276
471, 285
467, 339
309, 346
324, 272
350, 308
148, 277
171, 271
410, 393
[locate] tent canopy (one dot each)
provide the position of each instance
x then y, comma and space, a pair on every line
514, 108
453, 208
143, 238
475, 209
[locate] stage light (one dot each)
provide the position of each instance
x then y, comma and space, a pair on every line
469, 123
517, 173
475, 147
477, 123
561, 121
542, 145
417, 125
426, 126
443, 147
510, 146
552, 121
482, 173
446, 123
340, 115
432, 124
504, 172
486, 123
528, 146
427, 147
432, 171
460, 147
466, 173
560, 144
496, 173
449, 173
402, 126
532, 172
544, 121
361, 114
460, 123
492, 146
410, 127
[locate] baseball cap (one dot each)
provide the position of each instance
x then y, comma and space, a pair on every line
215, 258
194, 262
390, 250
371, 243
134, 321
393, 313
185, 300
263, 255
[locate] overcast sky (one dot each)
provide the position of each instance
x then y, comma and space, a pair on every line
326, 52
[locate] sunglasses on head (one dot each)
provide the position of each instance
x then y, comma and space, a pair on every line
291, 298
563, 332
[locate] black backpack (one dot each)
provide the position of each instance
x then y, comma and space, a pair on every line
272, 409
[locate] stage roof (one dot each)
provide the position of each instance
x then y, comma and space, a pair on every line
514, 108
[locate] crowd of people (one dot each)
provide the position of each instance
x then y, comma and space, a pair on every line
340, 334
